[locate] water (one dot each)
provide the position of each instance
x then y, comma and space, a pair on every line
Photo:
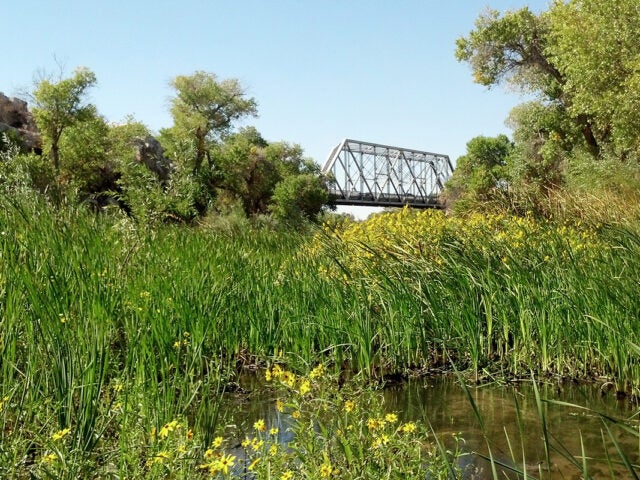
447, 407
512, 423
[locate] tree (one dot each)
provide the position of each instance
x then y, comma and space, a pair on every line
85, 149
246, 172
299, 197
594, 45
482, 173
60, 105
205, 108
250, 168
544, 138
516, 48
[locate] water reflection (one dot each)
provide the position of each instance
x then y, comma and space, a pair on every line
511, 419
513, 423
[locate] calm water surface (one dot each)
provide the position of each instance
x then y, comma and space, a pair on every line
445, 405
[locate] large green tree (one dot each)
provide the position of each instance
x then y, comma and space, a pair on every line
205, 108
595, 46
60, 105
515, 47
254, 172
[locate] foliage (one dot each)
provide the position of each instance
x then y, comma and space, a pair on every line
579, 59
270, 177
117, 338
511, 47
88, 167
60, 105
594, 46
299, 197
23, 174
96, 163
480, 175
334, 432
205, 108
246, 173
483, 283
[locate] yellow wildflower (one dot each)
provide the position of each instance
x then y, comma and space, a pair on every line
408, 427
288, 378
49, 458
160, 457
280, 405
391, 417
288, 475
167, 428
305, 387
245, 443
296, 414
349, 405
326, 469
273, 450
273, 431
375, 423
380, 441
226, 462
59, 435
257, 444
260, 426
317, 372
217, 442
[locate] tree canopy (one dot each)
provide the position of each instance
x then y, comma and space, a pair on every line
205, 108
201, 164
59, 105
580, 60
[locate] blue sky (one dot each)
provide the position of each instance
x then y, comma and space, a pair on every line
321, 71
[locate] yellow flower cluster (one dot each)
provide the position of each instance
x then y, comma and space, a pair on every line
221, 463
216, 461
159, 458
428, 234
290, 380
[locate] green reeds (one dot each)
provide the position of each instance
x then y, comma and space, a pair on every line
168, 315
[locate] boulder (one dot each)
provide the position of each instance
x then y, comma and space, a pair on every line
16, 119
149, 152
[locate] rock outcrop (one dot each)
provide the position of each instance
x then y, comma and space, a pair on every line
16, 119
149, 151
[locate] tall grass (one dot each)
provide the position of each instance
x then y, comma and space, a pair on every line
552, 299
115, 331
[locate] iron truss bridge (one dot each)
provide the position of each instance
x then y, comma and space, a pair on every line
365, 173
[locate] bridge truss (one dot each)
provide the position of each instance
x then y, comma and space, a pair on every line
370, 174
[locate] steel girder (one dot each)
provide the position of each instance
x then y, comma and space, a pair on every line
365, 173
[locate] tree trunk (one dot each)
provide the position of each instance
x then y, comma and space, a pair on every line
589, 137
200, 150
55, 155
